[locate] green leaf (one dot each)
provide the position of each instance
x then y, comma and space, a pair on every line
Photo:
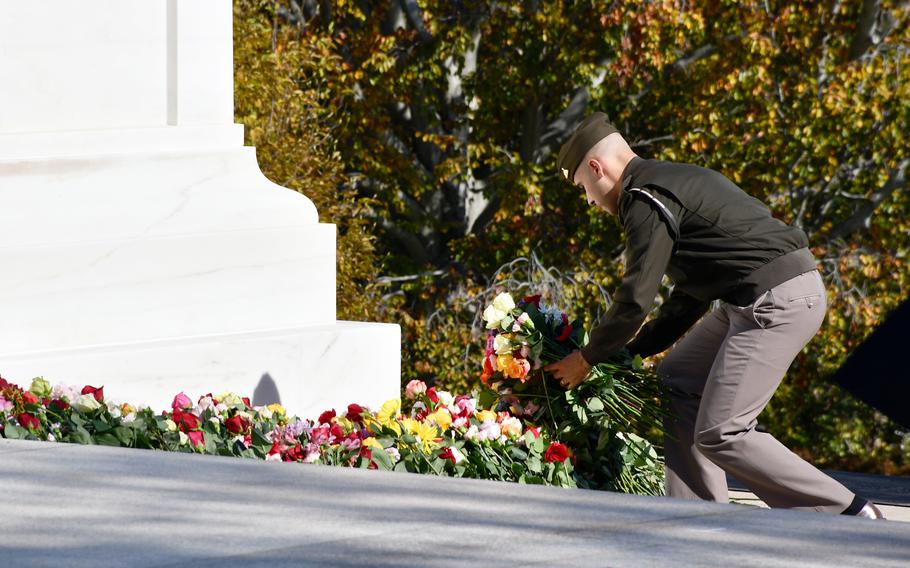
487, 399
518, 453
125, 435
14, 432
80, 436
382, 459
107, 439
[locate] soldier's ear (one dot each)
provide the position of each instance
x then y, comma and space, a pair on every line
596, 167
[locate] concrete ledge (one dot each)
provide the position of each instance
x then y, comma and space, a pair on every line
95, 506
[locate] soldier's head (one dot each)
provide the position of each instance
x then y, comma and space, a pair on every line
594, 158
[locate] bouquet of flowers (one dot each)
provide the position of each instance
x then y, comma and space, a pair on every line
601, 418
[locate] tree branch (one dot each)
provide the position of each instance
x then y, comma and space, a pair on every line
863, 214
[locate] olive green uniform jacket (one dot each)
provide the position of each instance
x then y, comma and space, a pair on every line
708, 236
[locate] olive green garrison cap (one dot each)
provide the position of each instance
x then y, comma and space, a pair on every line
594, 128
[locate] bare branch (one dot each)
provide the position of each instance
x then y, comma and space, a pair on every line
863, 214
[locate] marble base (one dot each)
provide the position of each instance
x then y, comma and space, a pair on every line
308, 369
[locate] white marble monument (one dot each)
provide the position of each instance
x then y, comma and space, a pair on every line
141, 248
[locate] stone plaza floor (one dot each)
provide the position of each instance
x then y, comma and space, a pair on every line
87, 506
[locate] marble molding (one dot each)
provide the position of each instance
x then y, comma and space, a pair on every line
308, 369
142, 249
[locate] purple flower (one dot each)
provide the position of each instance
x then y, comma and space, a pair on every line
351, 444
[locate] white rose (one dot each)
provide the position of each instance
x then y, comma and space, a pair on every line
456, 453
502, 345
493, 316
87, 403
184, 439
445, 398
504, 302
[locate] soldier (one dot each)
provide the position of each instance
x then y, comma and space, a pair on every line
714, 242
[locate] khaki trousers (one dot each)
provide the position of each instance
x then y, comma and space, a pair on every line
719, 377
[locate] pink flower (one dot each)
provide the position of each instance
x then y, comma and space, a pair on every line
351, 444
311, 453
465, 405
181, 401
415, 388
320, 435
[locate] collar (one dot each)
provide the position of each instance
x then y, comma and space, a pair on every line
629, 173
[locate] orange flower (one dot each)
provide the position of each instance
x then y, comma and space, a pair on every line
518, 369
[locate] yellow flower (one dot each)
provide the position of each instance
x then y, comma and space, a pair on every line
229, 398
426, 434
277, 408
503, 362
409, 425
485, 415
127, 408
389, 411
441, 418
371, 443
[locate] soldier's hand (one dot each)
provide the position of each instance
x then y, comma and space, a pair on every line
570, 371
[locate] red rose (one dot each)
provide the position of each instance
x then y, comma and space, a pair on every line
535, 299
28, 421
246, 401
326, 417
431, 394
59, 404
197, 438
236, 424
447, 454
29, 398
294, 454
185, 420
98, 393
556, 453
566, 332
354, 413
276, 448
337, 432
368, 454
3, 383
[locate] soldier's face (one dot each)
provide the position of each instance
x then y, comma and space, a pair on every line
590, 178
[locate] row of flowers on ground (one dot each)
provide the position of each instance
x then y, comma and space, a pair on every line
441, 434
